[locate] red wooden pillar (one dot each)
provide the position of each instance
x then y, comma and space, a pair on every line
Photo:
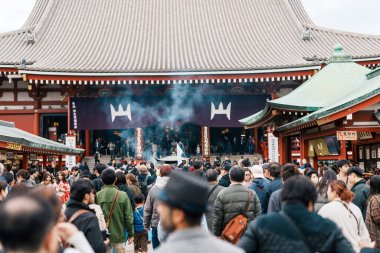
36, 123
59, 162
304, 147
343, 151
87, 142
256, 136
44, 160
25, 161
282, 149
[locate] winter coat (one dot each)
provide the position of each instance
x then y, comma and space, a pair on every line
258, 185
129, 192
98, 183
87, 223
274, 204
122, 217
361, 191
225, 180
268, 190
151, 216
272, 233
347, 216
372, 219
230, 203
211, 202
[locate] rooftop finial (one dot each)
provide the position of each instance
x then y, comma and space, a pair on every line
339, 55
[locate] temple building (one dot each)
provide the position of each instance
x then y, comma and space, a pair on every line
332, 116
188, 70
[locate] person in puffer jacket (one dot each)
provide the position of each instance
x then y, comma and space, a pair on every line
258, 182
231, 202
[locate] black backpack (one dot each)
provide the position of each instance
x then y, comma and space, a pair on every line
143, 185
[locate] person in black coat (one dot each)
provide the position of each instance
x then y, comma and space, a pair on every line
121, 183
82, 194
274, 185
225, 180
98, 184
296, 228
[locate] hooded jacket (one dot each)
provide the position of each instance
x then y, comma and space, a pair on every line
258, 185
151, 216
225, 181
87, 223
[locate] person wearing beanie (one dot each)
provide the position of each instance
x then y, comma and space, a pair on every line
183, 204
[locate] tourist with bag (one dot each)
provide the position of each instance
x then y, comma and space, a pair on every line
117, 209
297, 228
236, 201
347, 216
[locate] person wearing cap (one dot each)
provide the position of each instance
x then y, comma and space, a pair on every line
183, 203
231, 201
259, 182
360, 188
225, 179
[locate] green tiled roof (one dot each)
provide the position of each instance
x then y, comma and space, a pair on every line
367, 89
336, 80
9, 133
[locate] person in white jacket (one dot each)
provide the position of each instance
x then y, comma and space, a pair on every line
346, 215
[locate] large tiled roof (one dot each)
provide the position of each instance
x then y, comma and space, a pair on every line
148, 36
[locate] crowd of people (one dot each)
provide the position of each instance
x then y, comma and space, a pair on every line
223, 206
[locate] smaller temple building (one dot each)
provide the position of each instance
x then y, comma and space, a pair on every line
334, 115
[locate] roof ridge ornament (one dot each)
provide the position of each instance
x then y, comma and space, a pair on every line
339, 55
306, 34
30, 38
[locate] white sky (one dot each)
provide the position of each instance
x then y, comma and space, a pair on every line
348, 15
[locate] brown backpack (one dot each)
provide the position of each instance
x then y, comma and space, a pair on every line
236, 227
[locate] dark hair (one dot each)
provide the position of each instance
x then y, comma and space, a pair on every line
139, 199
120, 178
265, 166
3, 186
340, 163
310, 173
63, 177
46, 175
100, 167
328, 176
25, 228
237, 174
193, 219
197, 164
340, 188
32, 171
108, 176
289, 170
75, 168
24, 174
8, 177
80, 188
211, 175
356, 170
274, 169
374, 184
246, 162
166, 170
299, 190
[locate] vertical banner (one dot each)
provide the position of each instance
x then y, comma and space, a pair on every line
206, 142
139, 140
272, 147
70, 142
